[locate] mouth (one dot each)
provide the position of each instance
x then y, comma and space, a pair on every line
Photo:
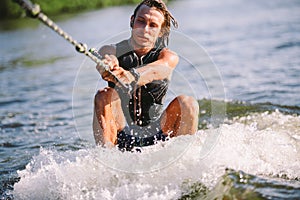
143, 38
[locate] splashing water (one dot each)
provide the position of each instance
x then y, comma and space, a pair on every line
262, 144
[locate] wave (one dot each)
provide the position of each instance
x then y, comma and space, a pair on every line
288, 45
261, 149
236, 109
240, 185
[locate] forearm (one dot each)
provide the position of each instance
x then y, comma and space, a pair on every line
153, 72
160, 69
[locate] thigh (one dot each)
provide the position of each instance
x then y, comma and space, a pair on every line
108, 105
170, 118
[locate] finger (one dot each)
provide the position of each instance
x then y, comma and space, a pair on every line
108, 77
107, 57
108, 63
100, 69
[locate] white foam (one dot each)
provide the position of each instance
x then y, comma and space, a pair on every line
260, 144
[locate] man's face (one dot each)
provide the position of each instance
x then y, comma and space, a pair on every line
147, 26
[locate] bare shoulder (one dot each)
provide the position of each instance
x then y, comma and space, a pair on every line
168, 52
169, 56
107, 49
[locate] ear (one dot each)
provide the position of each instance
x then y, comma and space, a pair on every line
131, 21
162, 31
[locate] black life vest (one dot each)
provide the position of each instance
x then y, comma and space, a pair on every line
145, 104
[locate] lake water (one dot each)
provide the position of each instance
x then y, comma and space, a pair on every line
240, 59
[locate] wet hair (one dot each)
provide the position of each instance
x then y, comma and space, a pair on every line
166, 26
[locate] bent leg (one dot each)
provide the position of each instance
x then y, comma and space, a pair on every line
108, 117
181, 116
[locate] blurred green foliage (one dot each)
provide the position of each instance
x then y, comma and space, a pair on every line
9, 9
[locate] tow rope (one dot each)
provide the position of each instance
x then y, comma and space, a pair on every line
34, 11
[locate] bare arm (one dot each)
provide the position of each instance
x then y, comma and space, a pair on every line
160, 69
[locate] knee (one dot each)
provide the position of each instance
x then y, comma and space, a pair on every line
189, 105
104, 96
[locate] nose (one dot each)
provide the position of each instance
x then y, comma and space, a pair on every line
146, 28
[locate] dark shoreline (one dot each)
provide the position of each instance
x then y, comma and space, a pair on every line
10, 10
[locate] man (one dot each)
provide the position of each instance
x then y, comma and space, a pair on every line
144, 62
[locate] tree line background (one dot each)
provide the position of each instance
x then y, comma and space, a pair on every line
9, 9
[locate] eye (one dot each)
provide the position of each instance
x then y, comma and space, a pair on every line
140, 21
153, 25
